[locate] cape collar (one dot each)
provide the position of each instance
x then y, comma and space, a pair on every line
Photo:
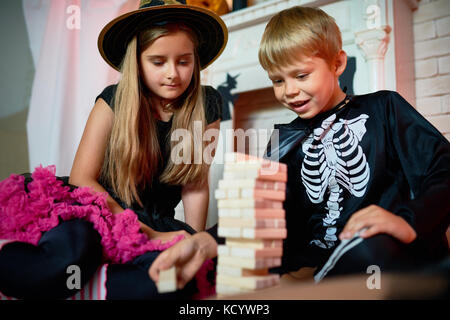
292, 134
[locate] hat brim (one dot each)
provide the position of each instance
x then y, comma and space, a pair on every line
209, 27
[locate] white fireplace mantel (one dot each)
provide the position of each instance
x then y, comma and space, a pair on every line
377, 33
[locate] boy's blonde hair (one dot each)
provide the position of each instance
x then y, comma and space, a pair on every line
298, 31
133, 156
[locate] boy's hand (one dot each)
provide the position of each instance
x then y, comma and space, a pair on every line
187, 255
378, 220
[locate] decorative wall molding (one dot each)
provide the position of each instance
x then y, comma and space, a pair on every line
263, 11
369, 30
374, 44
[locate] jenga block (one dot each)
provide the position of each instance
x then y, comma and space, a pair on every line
252, 253
240, 272
258, 223
256, 253
233, 193
167, 281
237, 157
223, 289
250, 282
250, 233
264, 194
254, 173
256, 213
228, 232
249, 263
249, 203
250, 193
220, 194
254, 243
252, 183
230, 212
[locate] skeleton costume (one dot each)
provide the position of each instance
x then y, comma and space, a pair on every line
369, 149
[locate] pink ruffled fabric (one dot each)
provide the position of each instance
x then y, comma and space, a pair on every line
205, 278
25, 215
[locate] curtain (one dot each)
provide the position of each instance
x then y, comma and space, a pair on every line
70, 73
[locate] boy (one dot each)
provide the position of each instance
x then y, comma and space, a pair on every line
354, 162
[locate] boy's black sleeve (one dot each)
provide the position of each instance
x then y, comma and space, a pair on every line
424, 155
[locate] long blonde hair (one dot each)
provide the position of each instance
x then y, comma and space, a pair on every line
299, 31
133, 157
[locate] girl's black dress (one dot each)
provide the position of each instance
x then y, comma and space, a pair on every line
160, 199
69, 228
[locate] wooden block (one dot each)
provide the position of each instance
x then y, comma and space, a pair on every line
254, 243
264, 167
249, 263
220, 194
223, 289
263, 194
250, 233
256, 253
256, 213
236, 157
229, 212
252, 253
167, 280
233, 193
249, 203
240, 272
254, 173
249, 282
252, 183
258, 223
229, 232
251, 193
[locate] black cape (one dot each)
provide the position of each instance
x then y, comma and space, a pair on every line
377, 149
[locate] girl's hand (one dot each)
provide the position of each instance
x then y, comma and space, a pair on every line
187, 255
168, 236
163, 236
378, 220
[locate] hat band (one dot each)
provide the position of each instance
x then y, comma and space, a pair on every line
154, 3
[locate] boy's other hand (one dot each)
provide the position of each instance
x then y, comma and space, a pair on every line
187, 255
378, 220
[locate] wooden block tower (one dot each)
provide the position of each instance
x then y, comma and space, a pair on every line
252, 220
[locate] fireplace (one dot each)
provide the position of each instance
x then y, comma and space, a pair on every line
377, 37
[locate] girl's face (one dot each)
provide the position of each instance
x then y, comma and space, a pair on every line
168, 64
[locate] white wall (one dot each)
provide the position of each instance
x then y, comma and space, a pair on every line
432, 62
17, 73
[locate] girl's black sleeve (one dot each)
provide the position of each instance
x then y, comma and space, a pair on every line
213, 233
108, 95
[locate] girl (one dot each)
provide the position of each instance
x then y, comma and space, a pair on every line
126, 151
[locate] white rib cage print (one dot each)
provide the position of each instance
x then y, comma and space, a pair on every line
334, 160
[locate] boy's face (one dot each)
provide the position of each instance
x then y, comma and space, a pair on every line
308, 86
